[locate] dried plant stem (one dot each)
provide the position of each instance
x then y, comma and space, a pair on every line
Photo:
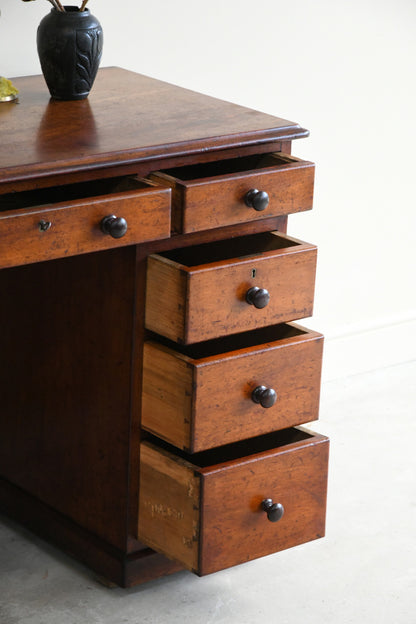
55, 6
61, 8
83, 5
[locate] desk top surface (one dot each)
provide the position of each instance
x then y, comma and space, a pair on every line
127, 118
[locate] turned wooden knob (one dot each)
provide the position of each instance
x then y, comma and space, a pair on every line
114, 226
274, 510
265, 396
259, 200
259, 297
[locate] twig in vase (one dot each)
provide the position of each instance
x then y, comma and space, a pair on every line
53, 3
57, 5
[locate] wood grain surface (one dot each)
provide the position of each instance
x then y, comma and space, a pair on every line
74, 225
65, 386
209, 517
213, 195
169, 504
199, 403
127, 117
211, 298
236, 529
78, 306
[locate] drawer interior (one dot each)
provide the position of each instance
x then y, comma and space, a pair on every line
255, 244
70, 192
236, 450
235, 342
229, 166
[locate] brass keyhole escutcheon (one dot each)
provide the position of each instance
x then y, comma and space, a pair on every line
44, 226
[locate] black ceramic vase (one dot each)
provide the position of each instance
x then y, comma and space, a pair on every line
69, 47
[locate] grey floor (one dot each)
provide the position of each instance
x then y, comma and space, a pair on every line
363, 571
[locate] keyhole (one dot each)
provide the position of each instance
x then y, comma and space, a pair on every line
44, 225
253, 273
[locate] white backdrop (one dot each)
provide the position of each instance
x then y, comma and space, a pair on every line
346, 71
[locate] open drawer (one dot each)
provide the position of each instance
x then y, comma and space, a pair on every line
221, 391
222, 507
206, 291
237, 190
42, 224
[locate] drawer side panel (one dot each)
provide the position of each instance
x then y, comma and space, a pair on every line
169, 506
165, 298
167, 395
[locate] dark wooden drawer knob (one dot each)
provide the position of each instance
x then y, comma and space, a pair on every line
259, 200
259, 297
265, 396
114, 226
274, 511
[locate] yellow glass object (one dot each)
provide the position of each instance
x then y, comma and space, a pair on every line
7, 90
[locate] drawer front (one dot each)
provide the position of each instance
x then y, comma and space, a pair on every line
194, 303
67, 228
203, 201
247, 391
213, 517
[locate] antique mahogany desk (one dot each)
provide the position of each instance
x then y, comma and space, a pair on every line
152, 378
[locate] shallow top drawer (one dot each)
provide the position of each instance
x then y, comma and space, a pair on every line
206, 291
227, 192
43, 224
